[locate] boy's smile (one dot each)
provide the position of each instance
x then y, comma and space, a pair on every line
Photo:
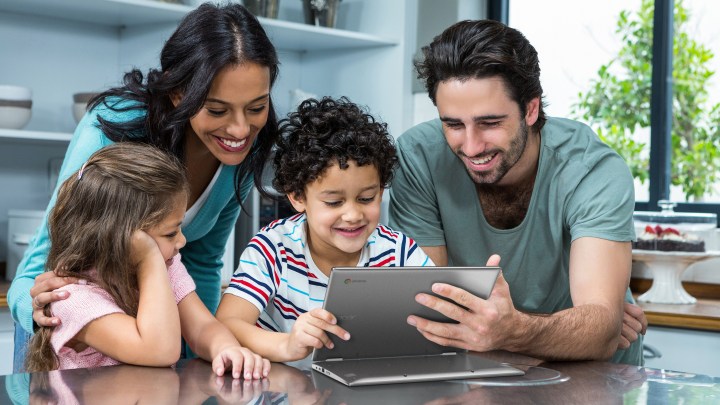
343, 210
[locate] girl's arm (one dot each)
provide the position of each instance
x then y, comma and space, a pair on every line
308, 332
212, 341
153, 338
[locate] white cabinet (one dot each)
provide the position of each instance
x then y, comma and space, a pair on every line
693, 351
61, 47
6, 342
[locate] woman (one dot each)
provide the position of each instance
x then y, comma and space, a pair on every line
209, 104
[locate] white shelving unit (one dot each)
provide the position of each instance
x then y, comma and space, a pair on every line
128, 13
34, 136
61, 47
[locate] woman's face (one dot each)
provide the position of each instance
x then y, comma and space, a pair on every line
233, 114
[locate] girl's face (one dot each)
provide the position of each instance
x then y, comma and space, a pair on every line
167, 234
233, 114
343, 210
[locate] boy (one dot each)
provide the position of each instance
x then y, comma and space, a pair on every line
333, 162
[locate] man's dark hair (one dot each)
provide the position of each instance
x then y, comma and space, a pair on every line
481, 49
326, 132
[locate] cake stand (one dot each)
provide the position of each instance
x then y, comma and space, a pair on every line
667, 269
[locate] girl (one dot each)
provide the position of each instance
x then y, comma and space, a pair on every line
116, 228
209, 105
333, 162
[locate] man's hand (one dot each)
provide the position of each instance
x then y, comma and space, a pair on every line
308, 332
484, 325
634, 324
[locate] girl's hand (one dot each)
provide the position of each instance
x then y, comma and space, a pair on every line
308, 332
43, 293
241, 358
142, 247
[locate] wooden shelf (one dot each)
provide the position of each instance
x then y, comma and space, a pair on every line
285, 35
14, 135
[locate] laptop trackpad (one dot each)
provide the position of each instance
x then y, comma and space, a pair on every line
389, 370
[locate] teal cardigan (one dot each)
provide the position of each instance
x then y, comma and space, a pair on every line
206, 235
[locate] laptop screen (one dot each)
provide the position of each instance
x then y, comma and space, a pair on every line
373, 304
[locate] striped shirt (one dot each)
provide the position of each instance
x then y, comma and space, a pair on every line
277, 274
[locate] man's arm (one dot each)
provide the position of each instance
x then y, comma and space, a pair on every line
599, 274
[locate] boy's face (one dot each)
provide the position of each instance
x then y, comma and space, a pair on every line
167, 234
343, 210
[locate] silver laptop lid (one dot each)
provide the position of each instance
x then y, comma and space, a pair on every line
373, 305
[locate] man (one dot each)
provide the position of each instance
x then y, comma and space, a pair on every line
495, 175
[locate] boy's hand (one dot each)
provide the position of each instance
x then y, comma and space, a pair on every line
142, 247
241, 358
308, 332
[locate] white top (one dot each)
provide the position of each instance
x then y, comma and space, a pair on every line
192, 211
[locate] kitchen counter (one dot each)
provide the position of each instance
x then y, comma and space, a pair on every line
4, 286
703, 315
192, 382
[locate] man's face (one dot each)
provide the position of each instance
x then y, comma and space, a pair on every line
483, 126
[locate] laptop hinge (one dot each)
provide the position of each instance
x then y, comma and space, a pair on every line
449, 353
334, 359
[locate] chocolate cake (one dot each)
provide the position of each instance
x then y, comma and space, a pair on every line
668, 240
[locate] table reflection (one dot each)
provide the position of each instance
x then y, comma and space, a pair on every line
193, 382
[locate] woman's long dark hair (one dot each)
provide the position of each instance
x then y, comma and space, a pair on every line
207, 40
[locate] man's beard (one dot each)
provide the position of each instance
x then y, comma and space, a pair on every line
508, 159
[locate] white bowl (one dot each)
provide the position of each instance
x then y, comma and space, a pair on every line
78, 110
14, 117
8, 92
79, 106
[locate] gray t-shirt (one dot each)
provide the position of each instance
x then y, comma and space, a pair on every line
582, 188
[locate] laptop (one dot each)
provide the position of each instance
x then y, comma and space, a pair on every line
373, 305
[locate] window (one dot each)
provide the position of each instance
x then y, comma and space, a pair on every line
600, 65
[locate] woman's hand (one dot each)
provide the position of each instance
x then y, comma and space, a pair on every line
43, 293
242, 361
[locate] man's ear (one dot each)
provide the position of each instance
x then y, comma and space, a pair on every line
532, 111
175, 98
297, 201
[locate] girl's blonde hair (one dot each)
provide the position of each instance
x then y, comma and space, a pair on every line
122, 188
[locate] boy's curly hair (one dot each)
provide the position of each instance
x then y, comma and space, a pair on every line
326, 132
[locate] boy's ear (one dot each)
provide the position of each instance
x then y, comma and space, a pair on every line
298, 202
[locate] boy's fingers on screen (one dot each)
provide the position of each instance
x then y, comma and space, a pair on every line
324, 315
338, 331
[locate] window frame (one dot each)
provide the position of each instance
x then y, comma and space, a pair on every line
659, 175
